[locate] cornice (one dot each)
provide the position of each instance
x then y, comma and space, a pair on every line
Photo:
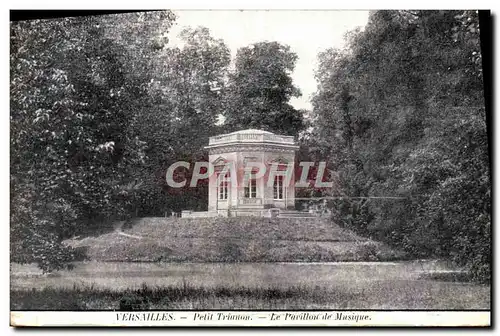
252, 148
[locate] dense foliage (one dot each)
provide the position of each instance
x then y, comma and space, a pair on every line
400, 114
260, 89
101, 106
75, 148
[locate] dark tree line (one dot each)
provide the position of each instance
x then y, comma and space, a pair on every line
400, 113
101, 106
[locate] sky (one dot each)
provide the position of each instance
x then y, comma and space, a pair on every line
306, 32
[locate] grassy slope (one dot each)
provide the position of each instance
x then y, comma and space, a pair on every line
379, 295
232, 239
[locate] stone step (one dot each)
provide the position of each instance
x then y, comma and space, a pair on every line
295, 214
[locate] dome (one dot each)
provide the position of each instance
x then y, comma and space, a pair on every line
251, 131
251, 137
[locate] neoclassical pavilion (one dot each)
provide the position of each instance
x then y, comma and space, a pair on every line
243, 189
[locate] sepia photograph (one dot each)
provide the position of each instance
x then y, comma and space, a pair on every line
250, 168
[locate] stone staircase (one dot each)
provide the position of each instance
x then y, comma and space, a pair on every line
295, 214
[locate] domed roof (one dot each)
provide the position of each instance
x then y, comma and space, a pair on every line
251, 131
251, 137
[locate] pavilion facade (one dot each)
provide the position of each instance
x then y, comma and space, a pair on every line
253, 174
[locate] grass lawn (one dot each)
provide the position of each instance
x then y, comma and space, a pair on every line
243, 239
375, 285
169, 297
241, 263
396, 295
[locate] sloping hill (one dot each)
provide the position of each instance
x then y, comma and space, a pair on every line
245, 239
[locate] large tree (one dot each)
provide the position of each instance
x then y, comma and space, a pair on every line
74, 145
184, 113
260, 89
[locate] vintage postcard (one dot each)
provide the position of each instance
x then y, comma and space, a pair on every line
250, 168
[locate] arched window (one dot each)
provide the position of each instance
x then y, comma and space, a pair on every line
223, 184
279, 187
251, 188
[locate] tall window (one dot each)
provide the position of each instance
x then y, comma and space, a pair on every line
223, 186
278, 190
251, 188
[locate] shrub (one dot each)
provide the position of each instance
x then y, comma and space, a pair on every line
134, 301
368, 251
231, 252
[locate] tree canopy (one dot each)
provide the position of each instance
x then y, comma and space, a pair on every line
75, 104
101, 106
400, 112
260, 89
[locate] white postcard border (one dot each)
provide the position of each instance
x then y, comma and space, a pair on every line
333, 318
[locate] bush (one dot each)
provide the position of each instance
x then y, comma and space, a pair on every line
368, 251
231, 252
133, 301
